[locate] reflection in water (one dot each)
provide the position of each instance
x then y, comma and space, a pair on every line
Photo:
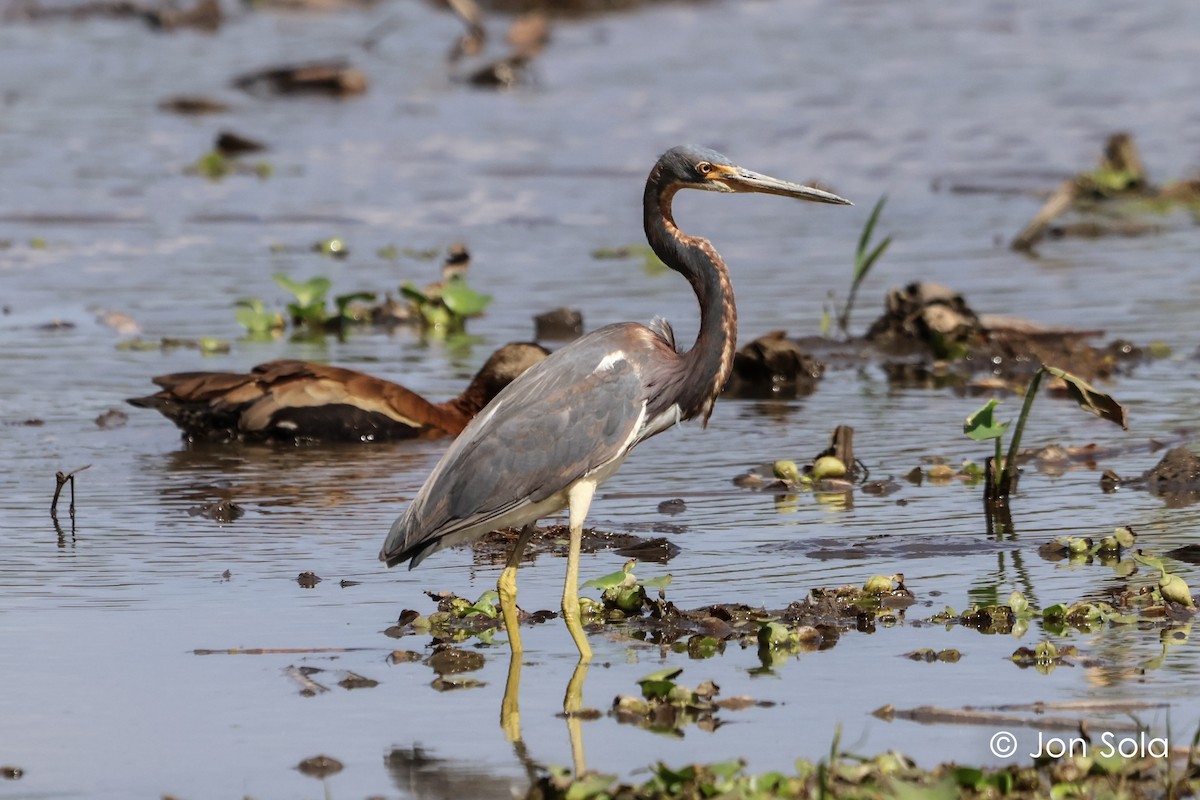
269, 476
420, 775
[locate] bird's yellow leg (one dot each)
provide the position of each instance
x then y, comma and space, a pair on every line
572, 703
579, 498
510, 708
506, 587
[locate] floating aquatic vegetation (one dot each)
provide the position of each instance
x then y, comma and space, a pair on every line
623, 594
1119, 176
815, 622
216, 165
252, 314
1044, 656
667, 707
207, 345
1143, 775
982, 426
1079, 550
445, 308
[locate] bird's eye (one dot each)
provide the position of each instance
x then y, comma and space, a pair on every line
704, 167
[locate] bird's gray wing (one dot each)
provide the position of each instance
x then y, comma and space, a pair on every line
568, 415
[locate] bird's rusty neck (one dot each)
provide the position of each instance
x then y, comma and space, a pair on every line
710, 360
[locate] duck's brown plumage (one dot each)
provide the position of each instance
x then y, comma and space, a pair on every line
293, 400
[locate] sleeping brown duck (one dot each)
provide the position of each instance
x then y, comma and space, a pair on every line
302, 401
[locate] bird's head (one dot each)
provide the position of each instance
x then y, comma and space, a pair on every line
689, 167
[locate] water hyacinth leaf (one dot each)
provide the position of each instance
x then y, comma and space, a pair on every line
343, 301
1175, 589
606, 581
982, 425
589, 786
726, 769
413, 293
486, 604
828, 467
307, 292
1089, 399
668, 674
462, 300
1018, 603
1154, 562
786, 470
1124, 536
1057, 611
660, 582
774, 634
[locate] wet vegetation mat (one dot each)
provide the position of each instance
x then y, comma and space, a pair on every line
891, 775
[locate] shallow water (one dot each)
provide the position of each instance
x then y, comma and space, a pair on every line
104, 696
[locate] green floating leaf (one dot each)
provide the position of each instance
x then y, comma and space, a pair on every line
306, 293
413, 293
1089, 399
660, 582
606, 581
982, 425
462, 300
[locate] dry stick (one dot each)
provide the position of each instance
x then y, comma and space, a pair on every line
1059, 202
63, 478
266, 651
932, 715
307, 685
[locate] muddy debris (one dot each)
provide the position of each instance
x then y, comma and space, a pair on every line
930, 656
673, 506
112, 419
404, 657
193, 105
308, 580
553, 540
813, 623
773, 366
320, 766
528, 34
204, 15
334, 78
929, 336
447, 659
1120, 175
233, 144
559, 325
352, 680
222, 511
1175, 478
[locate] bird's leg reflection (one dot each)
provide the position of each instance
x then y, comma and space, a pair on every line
572, 704
579, 498
510, 706
510, 715
507, 589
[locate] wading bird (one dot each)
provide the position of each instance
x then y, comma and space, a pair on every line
548, 440
301, 401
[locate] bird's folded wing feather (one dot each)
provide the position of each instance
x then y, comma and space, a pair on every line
569, 415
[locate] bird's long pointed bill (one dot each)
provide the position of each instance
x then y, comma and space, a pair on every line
743, 180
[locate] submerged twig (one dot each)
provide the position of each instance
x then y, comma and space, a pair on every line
308, 687
64, 478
